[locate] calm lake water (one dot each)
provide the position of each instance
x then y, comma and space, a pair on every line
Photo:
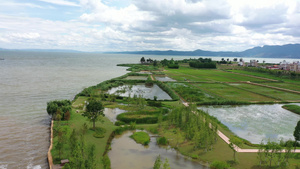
28, 80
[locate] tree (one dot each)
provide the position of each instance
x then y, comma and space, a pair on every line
157, 163
143, 60
234, 143
155, 63
297, 133
94, 110
166, 164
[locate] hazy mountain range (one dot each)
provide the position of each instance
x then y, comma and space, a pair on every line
285, 51
276, 51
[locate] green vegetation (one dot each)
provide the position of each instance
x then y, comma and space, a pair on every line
59, 109
206, 63
141, 137
292, 108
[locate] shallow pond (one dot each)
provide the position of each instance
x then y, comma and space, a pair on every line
126, 153
112, 114
141, 89
257, 122
164, 79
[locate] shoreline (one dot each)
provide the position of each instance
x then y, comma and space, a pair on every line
50, 159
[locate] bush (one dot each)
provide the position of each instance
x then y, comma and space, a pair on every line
154, 103
162, 141
173, 66
106, 162
119, 123
141, 137
219, 165
99, 132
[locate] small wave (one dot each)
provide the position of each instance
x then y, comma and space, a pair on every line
33, 167
3, 166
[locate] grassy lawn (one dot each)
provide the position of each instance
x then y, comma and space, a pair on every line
230, 92
76, 122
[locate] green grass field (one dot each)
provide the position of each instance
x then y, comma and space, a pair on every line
278, 94
207, 75
229, 91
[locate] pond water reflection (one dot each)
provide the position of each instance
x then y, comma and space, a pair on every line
126, 153
112, 114
141, 89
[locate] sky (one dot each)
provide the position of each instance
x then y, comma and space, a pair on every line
136, 25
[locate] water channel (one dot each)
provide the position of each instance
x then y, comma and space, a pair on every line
126, 153
257, 122
141, 89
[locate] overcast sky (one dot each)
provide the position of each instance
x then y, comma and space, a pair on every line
129, 25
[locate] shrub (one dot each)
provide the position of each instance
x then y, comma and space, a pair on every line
99, 132
141, 137
162, 141
119, 123
219, 165
106, 162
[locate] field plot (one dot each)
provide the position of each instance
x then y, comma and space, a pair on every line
208, 75
277, 94
191, 93
285, 86
230, 92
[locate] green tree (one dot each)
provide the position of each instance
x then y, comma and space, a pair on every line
166, 164
234, 143
157, 163
142, 60
297, 133
94, 110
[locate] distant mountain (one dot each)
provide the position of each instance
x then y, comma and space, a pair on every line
285, 51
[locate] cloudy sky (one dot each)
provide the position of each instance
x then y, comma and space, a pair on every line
128, 25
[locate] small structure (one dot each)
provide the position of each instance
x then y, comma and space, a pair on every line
253, 63
63, 162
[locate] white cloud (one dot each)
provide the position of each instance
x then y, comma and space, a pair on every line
60, 2
155, 25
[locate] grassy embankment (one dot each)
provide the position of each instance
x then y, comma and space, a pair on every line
292, 108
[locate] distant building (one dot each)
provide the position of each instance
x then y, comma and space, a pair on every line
253, 63
295, 66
